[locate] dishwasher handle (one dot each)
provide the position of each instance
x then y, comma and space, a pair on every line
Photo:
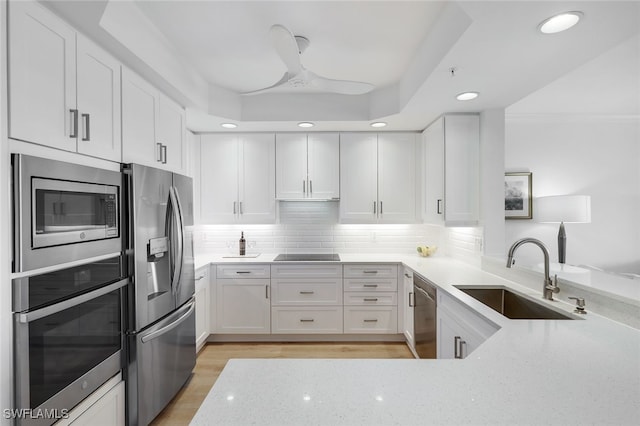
424, 293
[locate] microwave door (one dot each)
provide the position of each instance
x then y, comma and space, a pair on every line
151, 245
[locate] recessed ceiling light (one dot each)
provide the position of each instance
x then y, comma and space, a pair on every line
229, 125
378, 124
306, 124
560, 22
467, 96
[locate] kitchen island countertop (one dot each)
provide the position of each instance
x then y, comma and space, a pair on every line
530, 372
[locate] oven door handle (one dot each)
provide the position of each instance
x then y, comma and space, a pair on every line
178, 258
190, 307
27, 317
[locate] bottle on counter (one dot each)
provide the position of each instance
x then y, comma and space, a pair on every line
243, 244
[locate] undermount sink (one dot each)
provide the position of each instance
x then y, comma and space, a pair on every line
512, 305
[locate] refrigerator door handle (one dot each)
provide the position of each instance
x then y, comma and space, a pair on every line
190, 307
177, 261
181, 240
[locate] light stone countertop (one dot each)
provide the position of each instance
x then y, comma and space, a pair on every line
585, 371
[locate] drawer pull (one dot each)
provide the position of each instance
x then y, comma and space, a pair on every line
407, 275
370, 299
371, 320
369, 272
243, 272
306, 320
370, 285
200, 277
307, 292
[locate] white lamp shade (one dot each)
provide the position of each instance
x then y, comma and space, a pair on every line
564, 208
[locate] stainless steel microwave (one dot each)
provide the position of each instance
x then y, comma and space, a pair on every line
63, 212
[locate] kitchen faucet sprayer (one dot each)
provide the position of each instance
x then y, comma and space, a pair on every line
549, 286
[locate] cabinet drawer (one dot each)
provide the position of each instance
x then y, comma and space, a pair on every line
370, 319
371, 298
371, 270
306, 270
243, 271
366, 284
308, 320
308, 291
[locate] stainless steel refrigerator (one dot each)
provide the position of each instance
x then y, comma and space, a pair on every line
161, 336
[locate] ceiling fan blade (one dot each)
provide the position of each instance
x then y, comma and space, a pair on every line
287, 48
283, 80
343, 87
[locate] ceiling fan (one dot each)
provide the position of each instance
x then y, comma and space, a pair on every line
289, 48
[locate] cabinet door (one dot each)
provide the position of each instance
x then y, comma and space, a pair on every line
408, 302
202, 306
323, 159
291, 166
256, 186
170, 133
433, 139
139, 112
219, 178
396, 178
358, 178
461, 172
42, 77
243, 306
99, 132
447, 332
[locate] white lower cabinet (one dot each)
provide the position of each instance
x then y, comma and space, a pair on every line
203, 311
408, 303
306, 299
460, 330
104, 407
371, 298
243, 304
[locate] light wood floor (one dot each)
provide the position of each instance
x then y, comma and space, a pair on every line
213, 357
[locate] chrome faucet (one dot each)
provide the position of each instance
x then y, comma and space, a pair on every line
550, 286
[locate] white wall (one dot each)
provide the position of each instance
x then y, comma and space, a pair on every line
585, 154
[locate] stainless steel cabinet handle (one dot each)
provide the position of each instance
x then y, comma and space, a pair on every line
456, 346
407, 275
243, 272
310, 187
159, 153
370, 285
240, 204
370, 299
370, 272
463, 349
234, 207
74, 123
370, 320
307, 292
266, 291
306, 320
87, 129
439, 207
200, 277
304, 186
381, 212
164, 154
412, 304
374, 207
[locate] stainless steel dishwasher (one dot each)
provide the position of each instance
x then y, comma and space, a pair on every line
424, 317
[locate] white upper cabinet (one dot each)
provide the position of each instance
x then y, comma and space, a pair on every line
153, 126
452, 170
377, 175
237, 178
61, 95
307, 166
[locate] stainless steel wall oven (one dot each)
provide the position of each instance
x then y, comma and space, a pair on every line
68, 334
63, 212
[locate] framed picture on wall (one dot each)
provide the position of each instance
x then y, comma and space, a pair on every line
517, 196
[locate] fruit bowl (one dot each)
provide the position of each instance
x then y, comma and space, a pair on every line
425, 251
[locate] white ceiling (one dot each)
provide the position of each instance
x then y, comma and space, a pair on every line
404, 48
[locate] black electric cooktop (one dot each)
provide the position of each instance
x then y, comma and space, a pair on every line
307, 257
